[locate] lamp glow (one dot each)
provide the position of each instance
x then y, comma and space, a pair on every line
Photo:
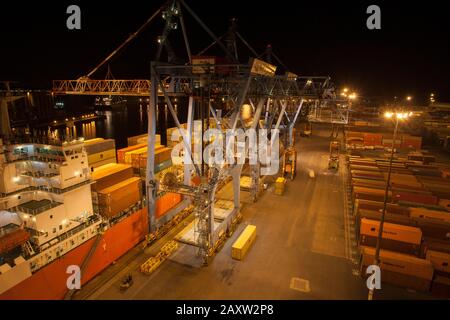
388, 115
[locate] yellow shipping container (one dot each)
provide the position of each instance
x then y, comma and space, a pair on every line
243, 243
102, 163
93, 141
279, 185
101, 156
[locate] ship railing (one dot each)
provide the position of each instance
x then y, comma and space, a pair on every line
89, 221
127, 212
36, 157
39, 174
46, 189
36, 264
43, 140
21, 139
61, 191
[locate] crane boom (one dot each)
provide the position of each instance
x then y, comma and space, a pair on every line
129, 39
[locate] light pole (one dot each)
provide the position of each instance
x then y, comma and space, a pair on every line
398, 116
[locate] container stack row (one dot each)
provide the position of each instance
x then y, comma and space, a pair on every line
371, 140
100, 151
415, 243
117, 190
136, 156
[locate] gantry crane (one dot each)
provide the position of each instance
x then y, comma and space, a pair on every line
220, 88
225, 90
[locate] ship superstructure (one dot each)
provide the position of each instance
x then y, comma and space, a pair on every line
45, 206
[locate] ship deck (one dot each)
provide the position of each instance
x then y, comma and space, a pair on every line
37, 206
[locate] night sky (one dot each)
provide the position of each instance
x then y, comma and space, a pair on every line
409, 55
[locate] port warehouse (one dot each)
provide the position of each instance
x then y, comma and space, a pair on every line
415, 245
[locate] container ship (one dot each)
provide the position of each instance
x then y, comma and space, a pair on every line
67, 203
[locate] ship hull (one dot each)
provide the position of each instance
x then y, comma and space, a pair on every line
49, 283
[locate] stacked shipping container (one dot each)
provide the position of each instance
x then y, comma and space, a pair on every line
382, 140
416, 237
100, 151
119, 197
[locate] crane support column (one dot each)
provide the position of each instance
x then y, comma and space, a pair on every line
150, 182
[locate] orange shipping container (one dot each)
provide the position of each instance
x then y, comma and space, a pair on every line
389, 217
136, 155
435, 245
354, 134
364, 162
391, 231
121, 152
128, 155
375, 184
370, 194
363, 168
119, 197
162, 154
431, 215
439, 260
110, 174
399, 263
377, 206
165, 203
369, 174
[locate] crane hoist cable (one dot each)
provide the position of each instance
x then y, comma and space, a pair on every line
129, 39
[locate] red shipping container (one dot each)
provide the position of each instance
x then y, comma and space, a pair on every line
373, 139
415, 197
412, 142
388, 143
13, 239
406, 186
